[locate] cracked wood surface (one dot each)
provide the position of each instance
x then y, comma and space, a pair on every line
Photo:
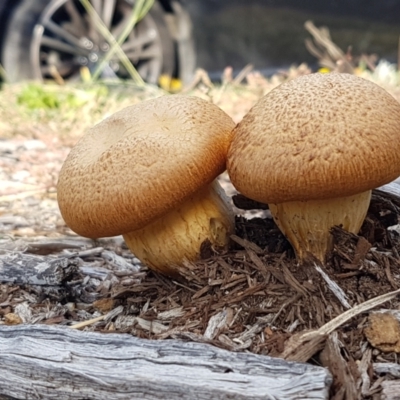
57, 362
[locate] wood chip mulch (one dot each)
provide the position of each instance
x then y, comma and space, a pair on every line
255, 297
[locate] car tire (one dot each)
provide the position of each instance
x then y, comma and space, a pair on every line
21, 61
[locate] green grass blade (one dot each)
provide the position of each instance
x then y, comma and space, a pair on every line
114, 45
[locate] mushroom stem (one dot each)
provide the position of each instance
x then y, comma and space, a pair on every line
307, 224
166, 243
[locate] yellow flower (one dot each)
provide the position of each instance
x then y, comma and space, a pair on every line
324, 70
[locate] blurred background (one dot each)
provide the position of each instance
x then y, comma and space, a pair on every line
270, 34
61, 39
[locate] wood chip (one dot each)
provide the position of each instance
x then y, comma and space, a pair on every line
31, 269
344, 385
336, 289
246, 244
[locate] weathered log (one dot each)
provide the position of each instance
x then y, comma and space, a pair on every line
20, 268
53, 362
392, 190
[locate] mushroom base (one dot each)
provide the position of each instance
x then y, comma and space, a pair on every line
307, 224
168, 242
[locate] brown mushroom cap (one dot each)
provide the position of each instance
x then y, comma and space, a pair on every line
316, 137
141, 162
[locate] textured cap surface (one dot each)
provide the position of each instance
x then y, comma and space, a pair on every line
141, 162
315, 137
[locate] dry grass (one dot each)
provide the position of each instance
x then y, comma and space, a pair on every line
29, 109
34, 110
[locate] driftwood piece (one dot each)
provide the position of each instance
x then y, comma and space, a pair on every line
28, 269
53, 362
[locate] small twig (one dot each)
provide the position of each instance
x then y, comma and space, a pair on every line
334, 287
105, 317
55, 74
353, 312
88, 322
141, 8
363, 368
292, 281
242, 74
330, 55
313, 49
284, 305
388, 274
84, 253
322, 37
200, 76
185, 287
101, 27
247, 244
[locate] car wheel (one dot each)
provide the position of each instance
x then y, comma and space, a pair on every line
50, 39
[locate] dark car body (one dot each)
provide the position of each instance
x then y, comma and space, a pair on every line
270, 34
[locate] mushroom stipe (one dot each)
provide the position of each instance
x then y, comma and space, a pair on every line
160, 244
313, 148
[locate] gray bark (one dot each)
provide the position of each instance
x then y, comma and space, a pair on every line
29, 269
392, 189
54, 362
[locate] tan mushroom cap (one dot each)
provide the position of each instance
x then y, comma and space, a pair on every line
316, 137
141, 162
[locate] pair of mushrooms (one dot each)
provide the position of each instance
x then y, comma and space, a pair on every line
313, 149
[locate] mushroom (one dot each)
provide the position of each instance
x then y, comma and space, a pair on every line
313, 148
148, 172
